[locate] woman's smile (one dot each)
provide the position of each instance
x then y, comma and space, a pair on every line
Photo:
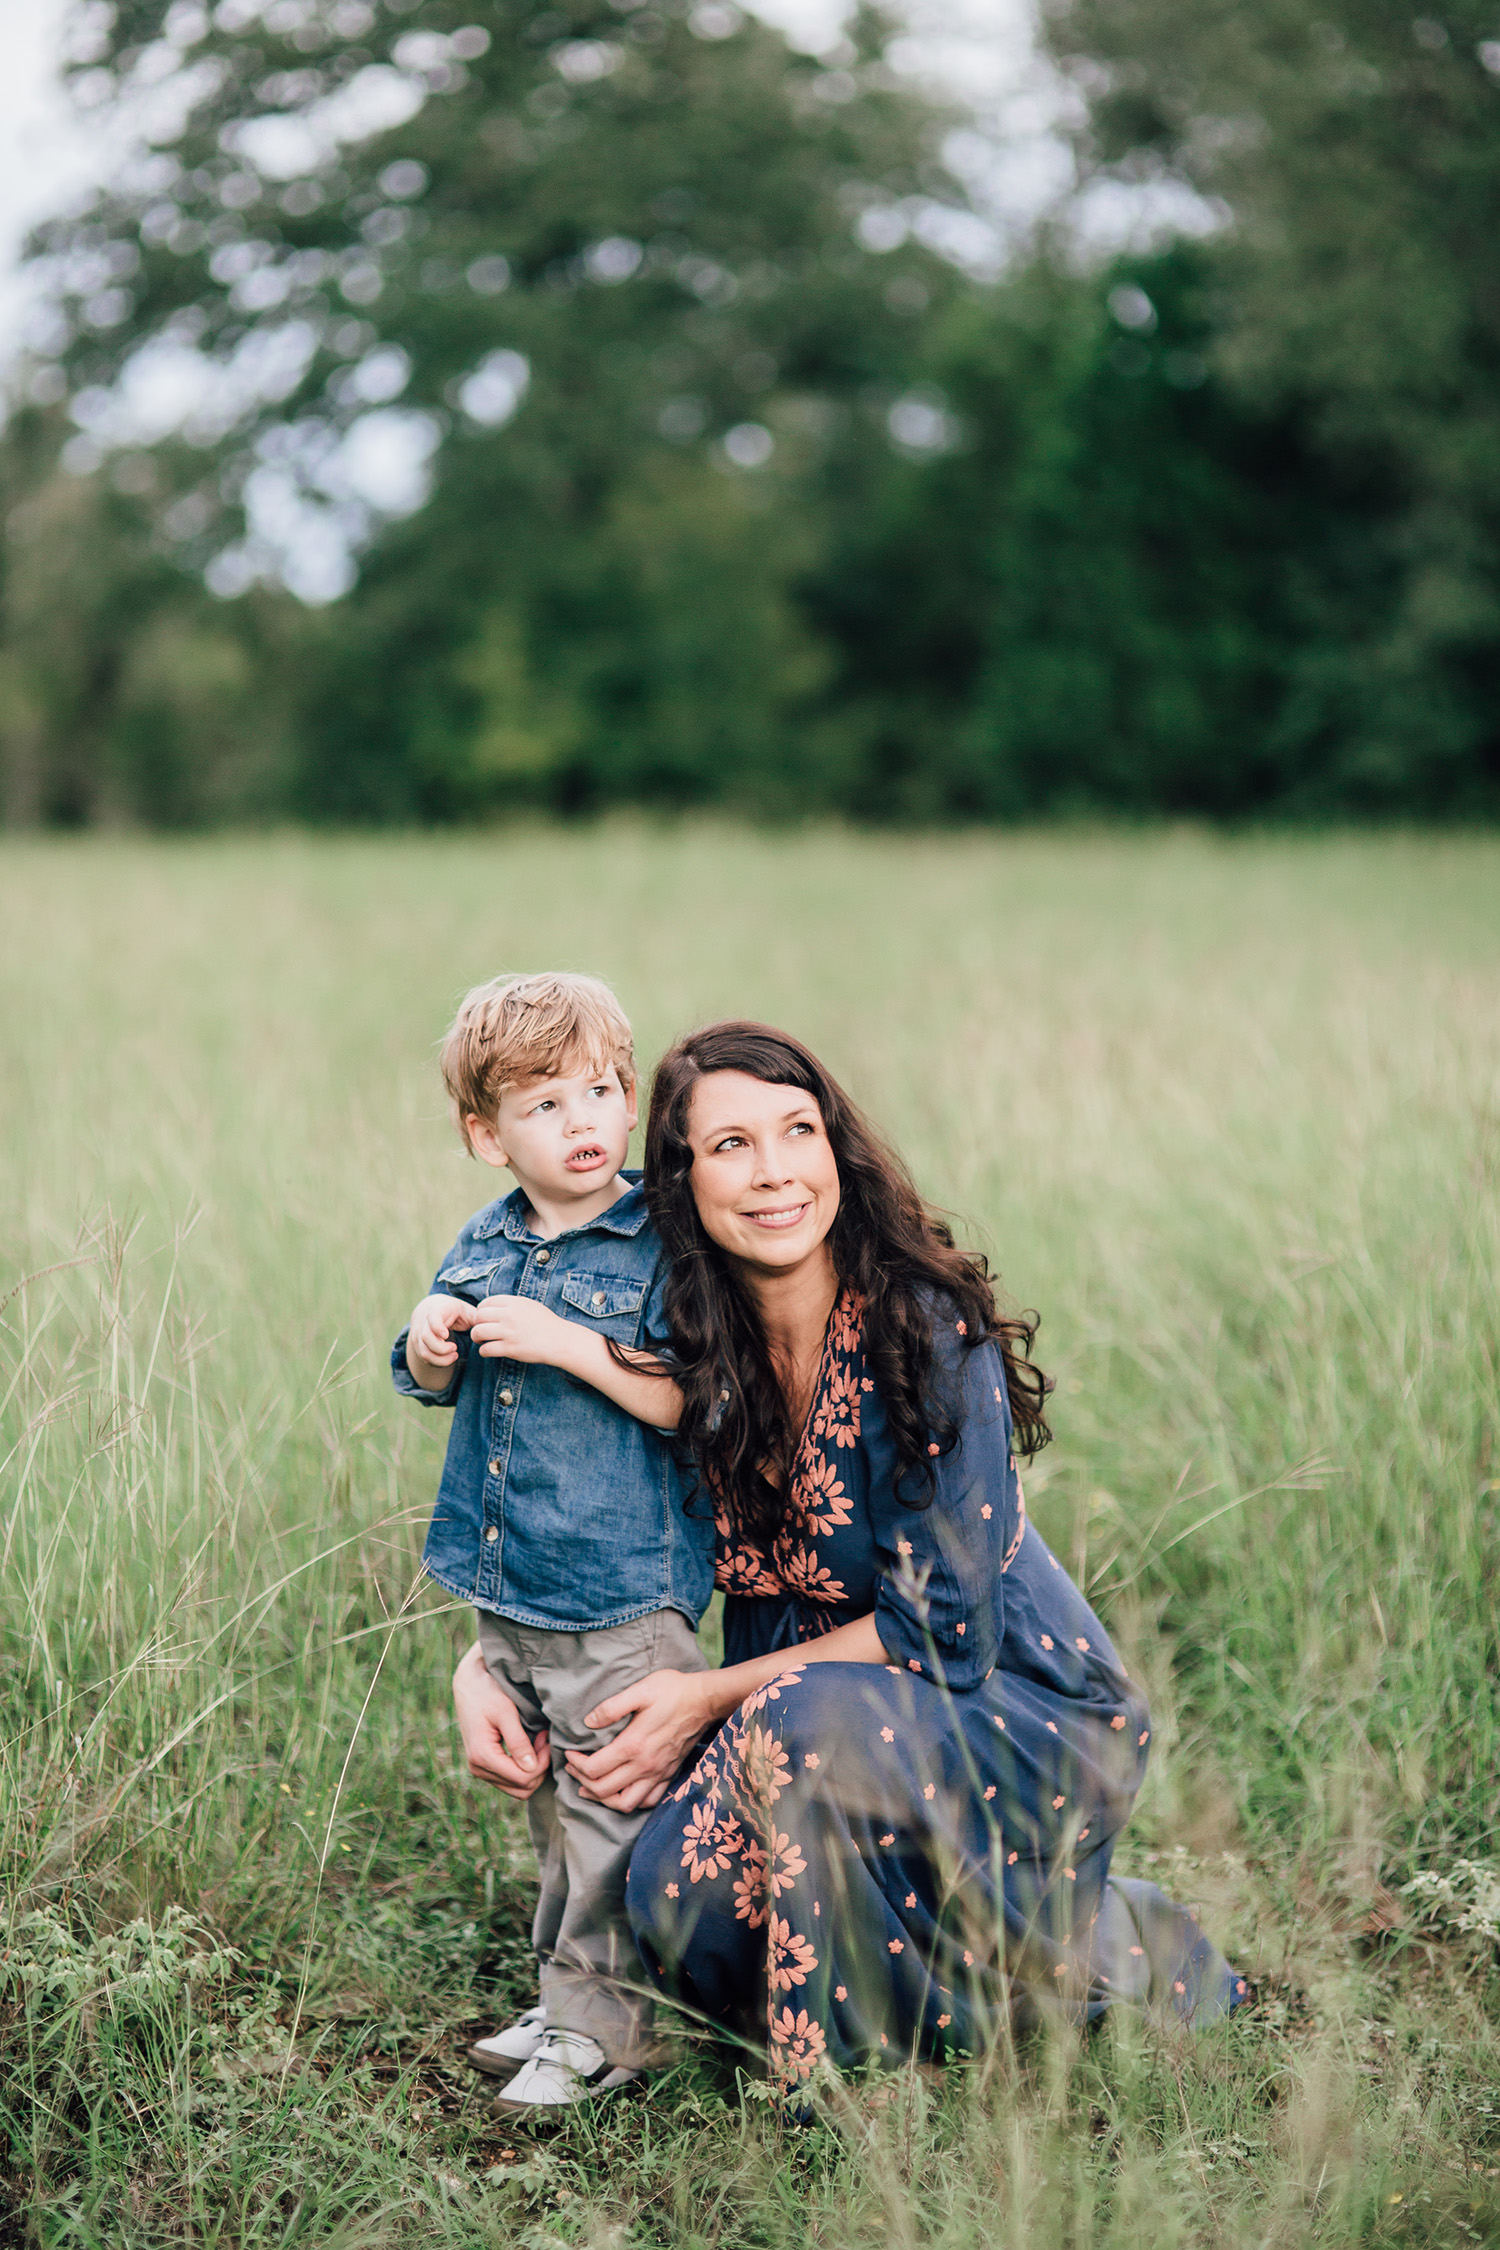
779, 1215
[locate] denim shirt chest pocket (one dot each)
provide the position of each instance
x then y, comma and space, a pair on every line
611, 1303
468, 1281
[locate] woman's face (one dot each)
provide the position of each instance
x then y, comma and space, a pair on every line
764, 1176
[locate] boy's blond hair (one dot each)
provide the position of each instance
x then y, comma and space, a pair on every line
514, 1028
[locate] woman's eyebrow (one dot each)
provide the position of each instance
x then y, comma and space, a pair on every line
716, 1132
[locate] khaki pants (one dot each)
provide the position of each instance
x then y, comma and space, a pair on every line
591, 1975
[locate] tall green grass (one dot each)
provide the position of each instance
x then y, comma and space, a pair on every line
1228, 1113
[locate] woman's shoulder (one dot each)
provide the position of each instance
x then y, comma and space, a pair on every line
955, 1333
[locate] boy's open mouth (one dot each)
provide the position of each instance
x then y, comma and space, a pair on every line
586, 1159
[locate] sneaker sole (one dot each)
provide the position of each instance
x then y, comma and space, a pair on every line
497, 2066
609, 2084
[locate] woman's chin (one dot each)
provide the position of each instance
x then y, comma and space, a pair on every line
776, 1252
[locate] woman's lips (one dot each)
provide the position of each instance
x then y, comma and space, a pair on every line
786, 1216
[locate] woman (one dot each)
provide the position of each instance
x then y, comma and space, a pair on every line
909, 1775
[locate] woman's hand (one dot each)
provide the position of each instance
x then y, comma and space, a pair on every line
671, 1710
496, 1743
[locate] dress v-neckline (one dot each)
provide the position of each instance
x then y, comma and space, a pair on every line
820, 1376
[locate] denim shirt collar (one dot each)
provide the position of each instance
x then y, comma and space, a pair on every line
626, 1216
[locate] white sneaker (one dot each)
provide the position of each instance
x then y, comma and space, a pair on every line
504, 2051
566, 2067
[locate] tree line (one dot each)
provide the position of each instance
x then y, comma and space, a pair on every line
737, 492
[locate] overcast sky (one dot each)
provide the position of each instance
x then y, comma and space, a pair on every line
46, 155
308, 522
43, 153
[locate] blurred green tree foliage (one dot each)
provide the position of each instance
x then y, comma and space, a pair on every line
1356, 298
738, 494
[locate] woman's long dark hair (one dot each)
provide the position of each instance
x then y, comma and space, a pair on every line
886, 1244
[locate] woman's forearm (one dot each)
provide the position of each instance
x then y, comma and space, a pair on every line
643, 1391
857, 1643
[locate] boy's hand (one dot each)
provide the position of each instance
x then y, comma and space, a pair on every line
430, 1350
520, 1328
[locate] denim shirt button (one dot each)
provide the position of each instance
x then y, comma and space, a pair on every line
542, 1257
494, 1468
597, 1300
507, 1398
492, 1533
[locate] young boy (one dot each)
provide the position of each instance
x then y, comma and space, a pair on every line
560, 1513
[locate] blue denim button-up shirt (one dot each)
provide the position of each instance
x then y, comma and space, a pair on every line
557, 1508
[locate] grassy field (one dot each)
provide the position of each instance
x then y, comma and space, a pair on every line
1228, 1113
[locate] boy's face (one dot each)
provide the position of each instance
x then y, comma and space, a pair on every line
564, 1137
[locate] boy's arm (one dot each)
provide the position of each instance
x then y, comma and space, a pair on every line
427, 1349
519, 1328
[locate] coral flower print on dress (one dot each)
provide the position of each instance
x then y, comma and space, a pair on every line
837, 1413
802, 1570
706, 1846
765, 1766
770, 1693
786, 1863
798, 2042
750, 1894
818, 1494
791, 1959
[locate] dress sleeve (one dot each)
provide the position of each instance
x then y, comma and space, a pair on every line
939, 1602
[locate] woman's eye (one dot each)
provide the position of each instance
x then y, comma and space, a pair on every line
734, 1141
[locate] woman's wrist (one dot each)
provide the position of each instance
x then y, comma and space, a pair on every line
725, 1690
856, 1643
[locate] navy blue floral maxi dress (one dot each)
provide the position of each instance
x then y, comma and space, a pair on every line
870, 1860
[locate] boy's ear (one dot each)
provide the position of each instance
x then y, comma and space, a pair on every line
484, 1140
633, 1104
